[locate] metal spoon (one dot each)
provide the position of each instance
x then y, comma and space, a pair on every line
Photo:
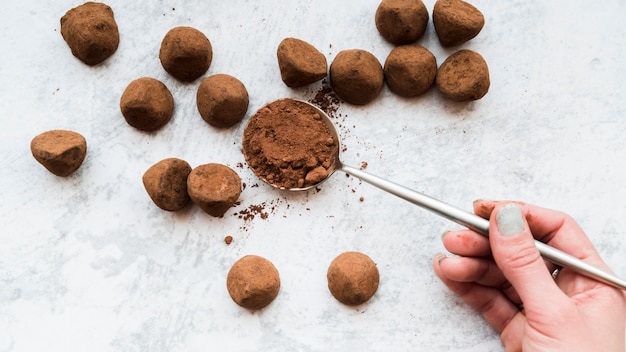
452, 213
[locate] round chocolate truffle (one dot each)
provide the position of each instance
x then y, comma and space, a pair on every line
356, 76
166, 183
401, 21
214, 187
456, 21
91, 32
185, 53
147, 104
353, 278
463, 76
59, 151
410, 70
222, 100
300, 63
253, 282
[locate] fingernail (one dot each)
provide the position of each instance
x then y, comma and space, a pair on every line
510, 220
444, 235
440, 258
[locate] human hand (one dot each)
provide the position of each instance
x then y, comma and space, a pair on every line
506, 280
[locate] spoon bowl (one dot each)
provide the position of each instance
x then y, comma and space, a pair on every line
438, 207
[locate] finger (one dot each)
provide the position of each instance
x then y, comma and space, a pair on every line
469, 269
513, 333
479, 270
495, 308
514, 251
484, 208
466, 243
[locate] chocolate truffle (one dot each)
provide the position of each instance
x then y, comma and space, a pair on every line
410, 70
300, 63
463, 76
456, 21
59, 151
166, 183
185, 53
356, 76
353, 278
214, 187
253, 282
401, 21
222, 100
147, 104
91, 32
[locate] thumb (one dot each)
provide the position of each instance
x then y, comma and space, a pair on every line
513, 248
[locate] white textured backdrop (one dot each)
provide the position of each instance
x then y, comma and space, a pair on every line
89, 263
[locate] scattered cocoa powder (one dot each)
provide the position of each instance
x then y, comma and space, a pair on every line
253, 282
228, 239
61, 152
185, 53
252, 211
353, 278
326, 99
287, 144
91, 32
166, 183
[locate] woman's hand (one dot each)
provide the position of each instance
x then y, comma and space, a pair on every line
506, 280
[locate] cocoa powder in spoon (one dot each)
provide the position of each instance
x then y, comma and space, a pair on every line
287, 144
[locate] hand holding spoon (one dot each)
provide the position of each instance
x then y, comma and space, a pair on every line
334, 163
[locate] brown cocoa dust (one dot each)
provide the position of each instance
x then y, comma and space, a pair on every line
287, 144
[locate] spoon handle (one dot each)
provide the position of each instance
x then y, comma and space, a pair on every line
481, 225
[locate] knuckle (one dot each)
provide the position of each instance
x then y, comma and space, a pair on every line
521, 257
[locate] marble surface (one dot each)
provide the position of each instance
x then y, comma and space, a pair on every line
89, 263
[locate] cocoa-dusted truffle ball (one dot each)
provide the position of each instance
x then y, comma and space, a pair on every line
300, 63
147, 104
59, 151
353, 278
214, 187
166, 183
185, 53
401, 21
222, 100
456, 21
91, 32
463, 76
356, 76
410, 70
253, 282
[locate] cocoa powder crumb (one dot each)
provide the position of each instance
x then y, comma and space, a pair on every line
326, 99
252, 211
228, 239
